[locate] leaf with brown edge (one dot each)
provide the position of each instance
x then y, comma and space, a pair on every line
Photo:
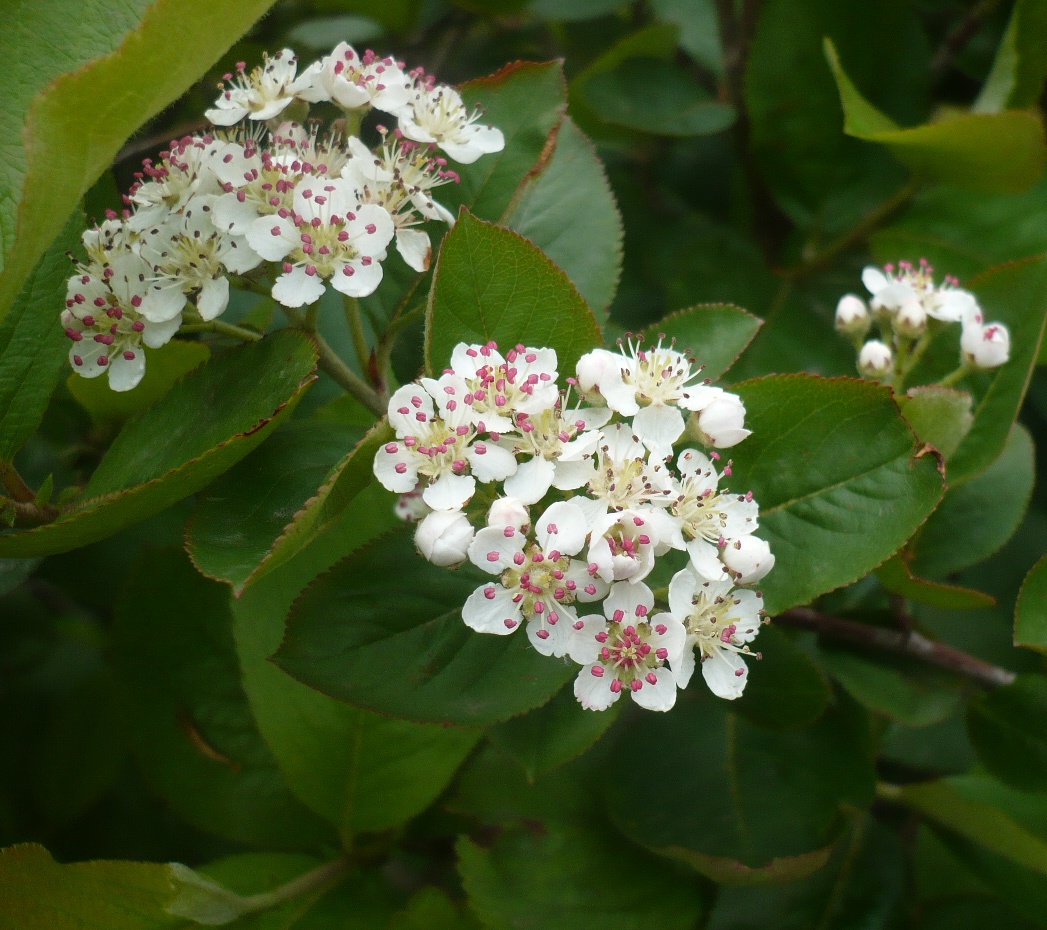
201, 428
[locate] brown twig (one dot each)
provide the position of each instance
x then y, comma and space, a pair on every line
960, 35
906, 643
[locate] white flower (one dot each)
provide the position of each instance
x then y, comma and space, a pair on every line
103, 321
719, 423
184, 172
852, 316
985, 346
437, 441
443, 537
260, 95
537, 579
709, 518
720, 621
327, 235
891, 290
354, 82
438, 115
647, 385
875, 359
748, 559
628, 651
623, 545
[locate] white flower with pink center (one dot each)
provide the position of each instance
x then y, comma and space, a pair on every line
623, 544
538, 580
893, 289
262, 94
523, 381
629, 651
720, 622
709, 517
327, 236
354, 81
437, 444
184, 172
437, 114
649, 385
103, 321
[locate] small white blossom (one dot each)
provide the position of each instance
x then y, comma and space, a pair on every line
623, 545
985, 346
354, 82
891, 290
184, 172
438, 115
260, 95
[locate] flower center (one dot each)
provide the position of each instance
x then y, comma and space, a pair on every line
540, 581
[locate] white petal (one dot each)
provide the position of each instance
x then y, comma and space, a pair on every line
493, 464
414, 247
162, 302
659, 696
214, 298
395, 469
705, 560
557, 638
88, 352
582, 646
496, 548
296, 288
594, 693
361, 280
874, 279
531, 480
125, 373
449, 492
409, 408
658, 427
627, 598
490, 609
229, 214
683, 669
272, 237
725, 673
561, 527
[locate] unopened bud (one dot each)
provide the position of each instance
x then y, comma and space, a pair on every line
875, 360
852, 316
985, 346
911, 319
748, 559
720, 423
443, 537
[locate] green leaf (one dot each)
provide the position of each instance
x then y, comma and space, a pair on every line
1018, 71
975, 819
568, 880
896, 576
699, 33
656, 97
491, 283
551, 735
823, 455
358, 635
863, 885
39, 893
361, 771
431, 909
67, 127
916, 700
204, 425
939, 416
774, 795
33, 346
786, 688
565, 206
191, 726
525, 101
1015, 295
978, 151
1030, 613
716, 334
977, 517
165, 366
1008, 729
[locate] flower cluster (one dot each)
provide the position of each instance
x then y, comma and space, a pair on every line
909, 309
270, 194
570, 503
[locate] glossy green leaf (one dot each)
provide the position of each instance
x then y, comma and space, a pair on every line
1015, 295
715, 334
939, 416
1008, 728
33, 346
190, 723
551, 735
897, 577
777, 793
525, 101
39, 893
165, 366
565, 206
1030, 614
566, 880
1020, 67
976, 518
344, 630
699, 32
491, 283
361, 771
786, 688
916, 700
193, 435
656, 97
824, 455
981, 151
134, 60
863, 885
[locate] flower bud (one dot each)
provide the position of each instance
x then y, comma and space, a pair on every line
410, 507
508, 511
985, 346
911, 319
443, 537
720, 423
875, 360
748, 559
852, 316
593, 369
